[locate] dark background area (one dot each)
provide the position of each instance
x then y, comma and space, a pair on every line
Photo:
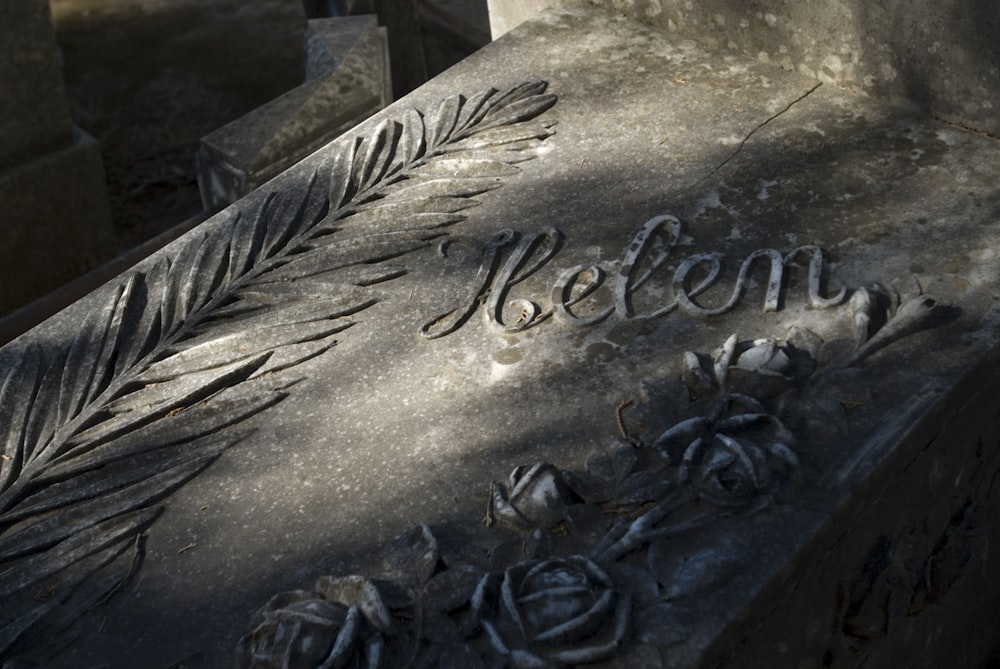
149, 78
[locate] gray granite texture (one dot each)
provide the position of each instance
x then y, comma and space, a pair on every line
33, 102
338, 366
943, 56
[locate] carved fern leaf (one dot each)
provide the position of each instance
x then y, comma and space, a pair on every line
151, 389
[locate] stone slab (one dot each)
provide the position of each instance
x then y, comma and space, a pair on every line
942, 56
770, 482
347, 80
33, 100
56, 221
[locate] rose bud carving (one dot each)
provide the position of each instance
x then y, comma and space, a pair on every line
536, 498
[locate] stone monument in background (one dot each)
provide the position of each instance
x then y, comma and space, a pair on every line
55, 223
347, 80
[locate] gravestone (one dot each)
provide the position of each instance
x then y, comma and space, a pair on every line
56, 223
347, 80
603, 348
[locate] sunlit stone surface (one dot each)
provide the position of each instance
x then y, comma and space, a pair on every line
748, 321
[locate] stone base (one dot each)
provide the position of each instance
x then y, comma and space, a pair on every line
56, 222
347, 74
911, 581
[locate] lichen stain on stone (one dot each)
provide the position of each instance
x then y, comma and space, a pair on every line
601, 352
953, 267
508, 356
628, 331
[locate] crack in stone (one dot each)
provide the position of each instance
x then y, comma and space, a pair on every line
965, 128
752, 133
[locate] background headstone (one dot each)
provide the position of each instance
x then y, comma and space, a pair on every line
347, 80
54, 217
33, 102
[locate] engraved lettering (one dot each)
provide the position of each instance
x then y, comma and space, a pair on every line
538, 248
563, 296
450, 321
647, 251
770, 299
645, 244
815, 276
681, 279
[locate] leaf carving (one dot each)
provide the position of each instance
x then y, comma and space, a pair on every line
149, 390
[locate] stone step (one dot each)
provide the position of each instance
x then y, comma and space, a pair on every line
651, 355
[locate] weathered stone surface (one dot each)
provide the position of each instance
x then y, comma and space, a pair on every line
33, 102
761, 465
346, 82
942, 56
56, 223
329, 42
505, 15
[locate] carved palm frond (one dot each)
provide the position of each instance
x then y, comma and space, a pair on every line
152, 388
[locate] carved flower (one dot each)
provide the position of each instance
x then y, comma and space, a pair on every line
536, 498
295, 629
731, 456
553, 613
762, 368
765, 356
341, 625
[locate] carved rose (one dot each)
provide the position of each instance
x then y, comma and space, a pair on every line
732, 456
537, 497
765, 356
762, 368
294, 630
553, 613
300, 629
729, 471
